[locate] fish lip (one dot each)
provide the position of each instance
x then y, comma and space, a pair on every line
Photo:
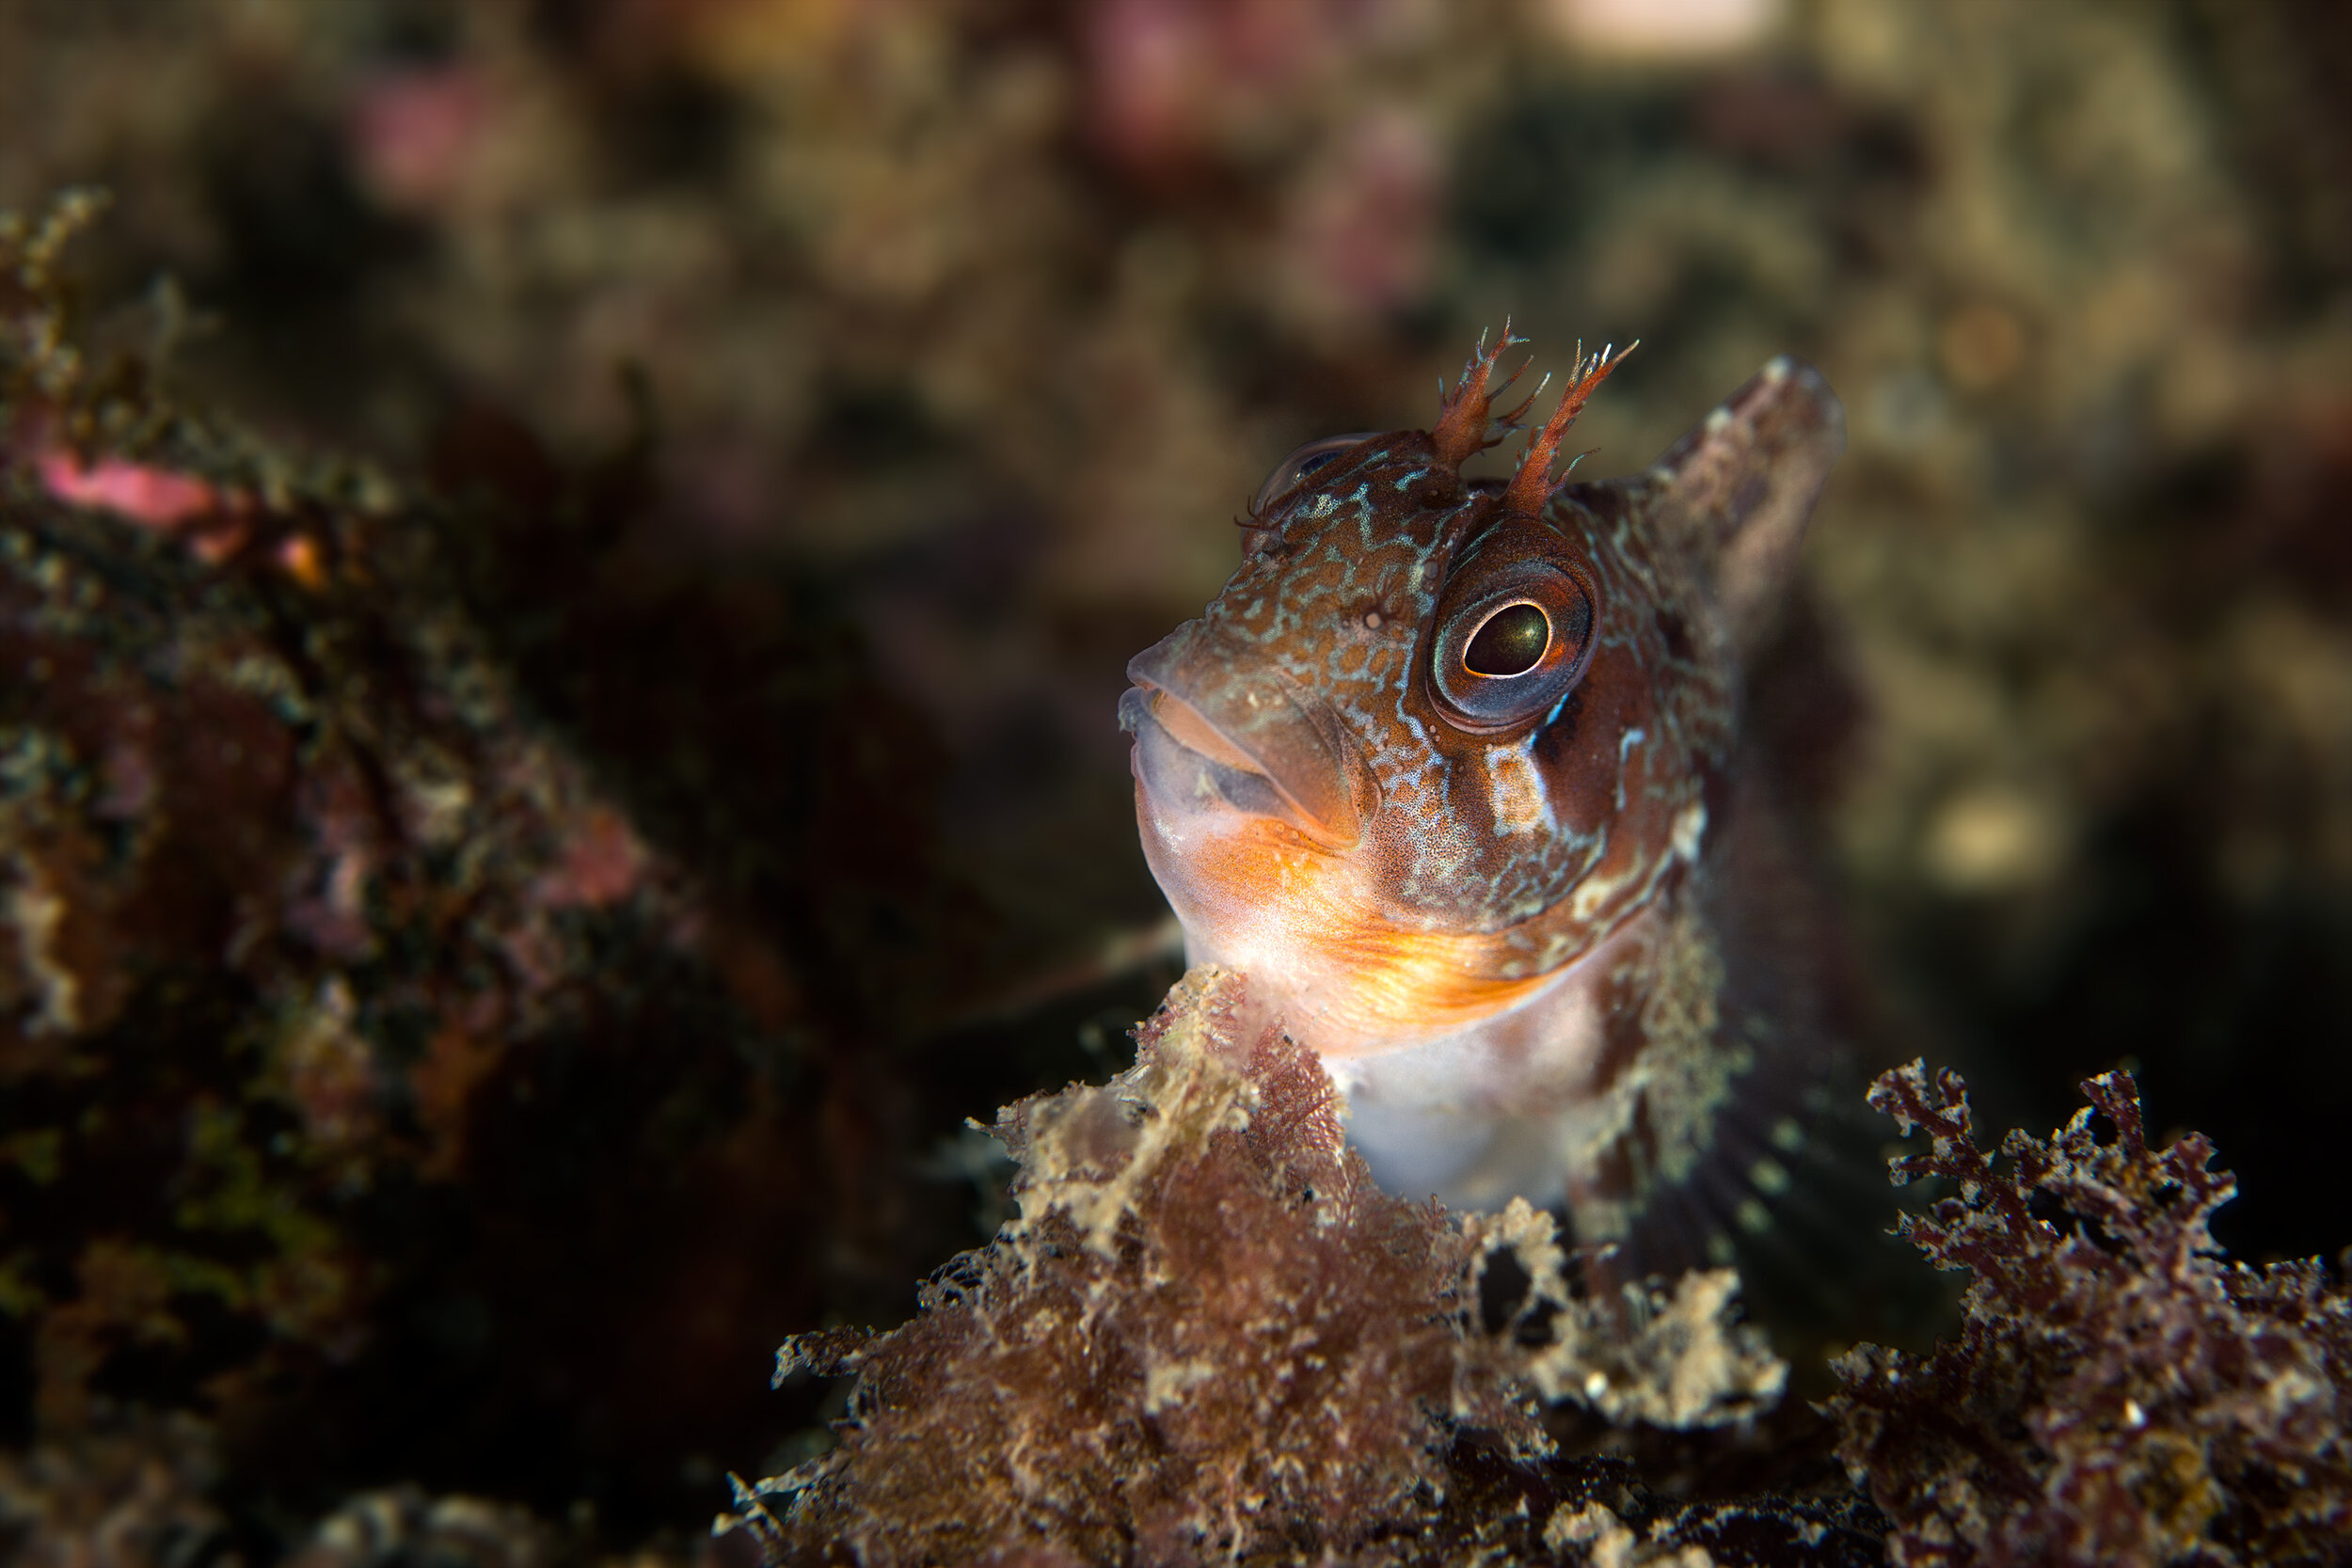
1287, 760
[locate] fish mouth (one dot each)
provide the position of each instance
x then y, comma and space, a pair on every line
1207, 727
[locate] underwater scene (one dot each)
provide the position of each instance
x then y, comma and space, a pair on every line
1162, 782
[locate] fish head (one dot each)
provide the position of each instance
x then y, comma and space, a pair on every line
1437, 737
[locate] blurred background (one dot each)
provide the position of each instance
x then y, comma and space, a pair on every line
816, 402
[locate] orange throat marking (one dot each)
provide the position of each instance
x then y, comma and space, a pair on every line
1296, 917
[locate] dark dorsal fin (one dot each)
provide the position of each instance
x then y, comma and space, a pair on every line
1735, 491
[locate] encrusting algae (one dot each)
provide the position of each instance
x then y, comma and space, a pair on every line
1209, 1334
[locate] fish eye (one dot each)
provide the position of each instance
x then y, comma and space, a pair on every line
1293, 469
1515, 631
1511, 642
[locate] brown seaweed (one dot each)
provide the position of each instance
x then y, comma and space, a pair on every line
2120, 1392
1209, 1336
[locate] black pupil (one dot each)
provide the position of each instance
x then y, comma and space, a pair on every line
1510, 644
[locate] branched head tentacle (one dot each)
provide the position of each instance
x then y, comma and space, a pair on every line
1533, 482
1468, 424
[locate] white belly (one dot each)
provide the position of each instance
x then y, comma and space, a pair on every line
1504, 1108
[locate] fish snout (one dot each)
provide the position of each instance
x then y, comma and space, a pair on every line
1211, 724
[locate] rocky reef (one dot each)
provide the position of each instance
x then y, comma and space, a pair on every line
347, 996
1207, 1337
1210, 1338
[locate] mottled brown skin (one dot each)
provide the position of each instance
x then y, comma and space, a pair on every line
1499, 898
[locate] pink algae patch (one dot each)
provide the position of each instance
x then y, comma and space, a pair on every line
601, 863
158, 497
414, 131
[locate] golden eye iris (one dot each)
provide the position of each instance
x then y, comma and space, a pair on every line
1511, 642
1515, 626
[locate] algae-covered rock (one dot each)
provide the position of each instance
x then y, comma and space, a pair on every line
1209, 1336
374, 1078
2120, 1391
